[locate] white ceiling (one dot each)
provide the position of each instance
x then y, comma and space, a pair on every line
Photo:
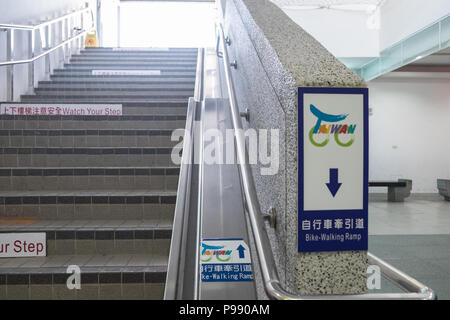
441, 58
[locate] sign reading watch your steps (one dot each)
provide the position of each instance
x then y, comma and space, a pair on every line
332, 169
126, 72
61, 109
225, 260
14, 245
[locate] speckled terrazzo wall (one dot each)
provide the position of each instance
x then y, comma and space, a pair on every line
275, 57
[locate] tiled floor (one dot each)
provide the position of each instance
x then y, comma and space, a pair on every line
413, 236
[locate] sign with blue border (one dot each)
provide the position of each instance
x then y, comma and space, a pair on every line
332, 169
225, 260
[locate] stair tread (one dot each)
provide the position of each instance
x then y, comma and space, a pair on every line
27, 225
88, 263
89, 193
105, 100
88, 168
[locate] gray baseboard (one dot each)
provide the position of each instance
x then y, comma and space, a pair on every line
377, 197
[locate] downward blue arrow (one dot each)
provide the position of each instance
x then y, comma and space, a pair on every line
334, 184
241, 250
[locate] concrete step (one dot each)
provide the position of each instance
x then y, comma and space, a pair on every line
135, 121
104, 277
158, 94
125, 64
131, 59
100, 86
176, 77
89, 178
166, 53
85, 157
75, 73
99, 237
124, 51
157, 206
142, 49
136, 55
82, 138
116, 80
106, 99
164, 69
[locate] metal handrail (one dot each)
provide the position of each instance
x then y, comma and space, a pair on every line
10, 63
45, 23
32, 29
271, 280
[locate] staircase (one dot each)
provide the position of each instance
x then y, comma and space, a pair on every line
102, 188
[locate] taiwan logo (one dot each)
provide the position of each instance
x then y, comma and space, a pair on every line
208, 252
331, 125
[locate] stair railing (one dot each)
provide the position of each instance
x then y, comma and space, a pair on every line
73, 27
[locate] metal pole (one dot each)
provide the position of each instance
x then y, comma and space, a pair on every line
10, 69
47, 36
69, 34
99, 23
82, 28
31, 48
118, 25
62, 52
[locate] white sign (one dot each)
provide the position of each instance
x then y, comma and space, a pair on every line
333, 169
126, 72
141, 49
225, 260
14, 245
62, 109
333, 141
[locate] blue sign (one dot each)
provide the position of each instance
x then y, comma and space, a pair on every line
332, 169
225, 260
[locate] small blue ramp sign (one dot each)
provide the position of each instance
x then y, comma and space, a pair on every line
225, 260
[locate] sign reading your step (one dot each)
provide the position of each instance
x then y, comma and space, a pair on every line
332, 169
14, 245
62, 109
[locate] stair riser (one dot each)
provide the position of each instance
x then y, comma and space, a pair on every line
58, 79
92, 124
132, 93
125, 51
85, 160
141, 65
82, 183
124, 55
119, 59
106, 242
165, 70
126, 291
159, 213
86, 141
108, 247
110, 87
102, 100
174, 77
109, 95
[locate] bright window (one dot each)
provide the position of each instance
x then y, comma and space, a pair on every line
163, 24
